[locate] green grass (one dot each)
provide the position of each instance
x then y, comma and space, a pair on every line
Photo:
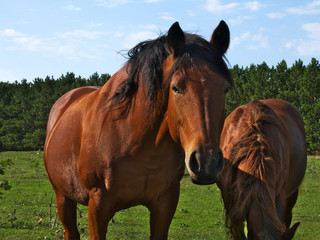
27, 210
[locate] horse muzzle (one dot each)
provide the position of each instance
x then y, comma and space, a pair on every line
204, 166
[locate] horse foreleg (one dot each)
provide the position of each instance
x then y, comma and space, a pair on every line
67, 210
99, 214
162, 211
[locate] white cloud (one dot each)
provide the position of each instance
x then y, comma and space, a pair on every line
47, 46
94, 25
166, 16
152, 1
111, 3
238, 20
10, 33
82, 34
30, 43
289, 44
311, 8
276, 15
313, 29
73, 45
128, 38
134, 38
250, 41
119, 34
149, 27
215, 6
237, 40
259, 41
309, 46
72, 8
191, 13
253, 6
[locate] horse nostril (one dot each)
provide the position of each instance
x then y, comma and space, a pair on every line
194, 162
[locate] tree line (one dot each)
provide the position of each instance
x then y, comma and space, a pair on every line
298, 84
25, 106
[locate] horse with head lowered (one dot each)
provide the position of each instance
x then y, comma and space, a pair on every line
264, 146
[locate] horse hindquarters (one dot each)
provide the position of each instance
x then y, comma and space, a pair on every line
61, 157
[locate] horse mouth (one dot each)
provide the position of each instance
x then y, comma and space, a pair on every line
204, 181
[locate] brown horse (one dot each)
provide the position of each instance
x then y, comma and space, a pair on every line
127, 143
264, 147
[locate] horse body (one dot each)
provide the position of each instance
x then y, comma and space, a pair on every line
293, 137
130, 168
119, 145
264, 147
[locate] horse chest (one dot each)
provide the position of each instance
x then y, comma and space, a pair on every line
141, 179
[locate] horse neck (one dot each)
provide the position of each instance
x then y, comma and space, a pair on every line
150, 116
145, 119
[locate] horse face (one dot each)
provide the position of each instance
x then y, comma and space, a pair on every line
258, 229
195, 118
196, 111
255, 223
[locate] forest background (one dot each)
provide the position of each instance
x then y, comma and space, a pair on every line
25, 106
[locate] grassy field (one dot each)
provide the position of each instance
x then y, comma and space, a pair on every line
27, 210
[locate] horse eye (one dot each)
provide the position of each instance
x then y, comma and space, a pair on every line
175, 89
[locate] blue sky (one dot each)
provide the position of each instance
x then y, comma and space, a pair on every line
51, 38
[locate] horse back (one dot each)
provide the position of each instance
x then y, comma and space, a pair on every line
287, 134
64, 102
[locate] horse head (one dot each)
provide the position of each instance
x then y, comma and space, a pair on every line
199, 79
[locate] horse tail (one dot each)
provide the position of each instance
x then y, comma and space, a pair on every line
252, 164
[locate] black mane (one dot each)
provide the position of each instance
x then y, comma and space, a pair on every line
146, 63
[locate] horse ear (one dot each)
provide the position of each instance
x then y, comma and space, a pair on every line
175, 40
288, 235
221, 38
